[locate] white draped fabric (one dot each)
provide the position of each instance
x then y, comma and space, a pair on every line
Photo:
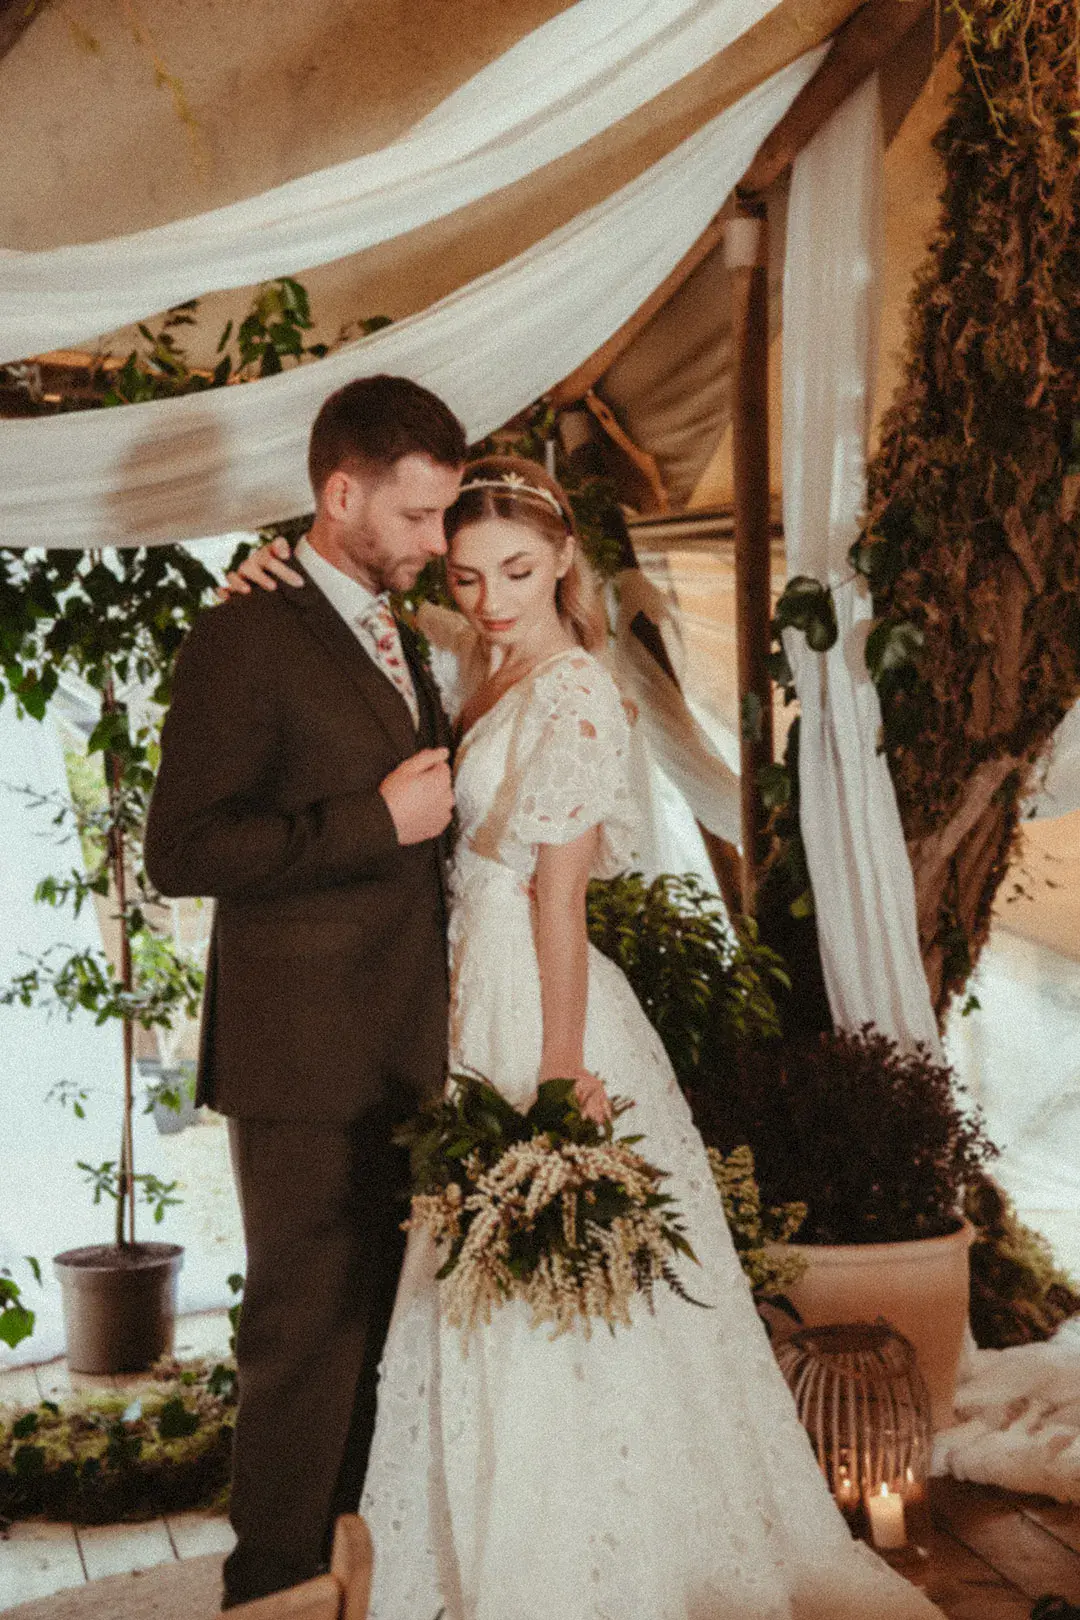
1059, 792
558, 87
863, 888
676, 739
235, 458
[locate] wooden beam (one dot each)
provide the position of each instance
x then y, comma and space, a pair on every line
860, 46
15, 18
746, 251
577, 385
645, 463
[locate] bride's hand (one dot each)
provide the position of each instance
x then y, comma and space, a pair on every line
263, 568
591, 1094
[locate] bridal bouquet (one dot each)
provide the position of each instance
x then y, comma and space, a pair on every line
545, 1206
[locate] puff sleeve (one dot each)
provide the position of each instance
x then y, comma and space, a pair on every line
567, 769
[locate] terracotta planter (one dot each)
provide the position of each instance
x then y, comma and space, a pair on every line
920, 1288
119, 1305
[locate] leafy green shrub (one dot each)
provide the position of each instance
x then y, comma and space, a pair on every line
704, 985
1018, 1294
754, 1227
875, 1142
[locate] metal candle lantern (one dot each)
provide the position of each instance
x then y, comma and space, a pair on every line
862, 1400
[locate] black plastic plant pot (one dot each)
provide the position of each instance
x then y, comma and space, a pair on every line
119, 1305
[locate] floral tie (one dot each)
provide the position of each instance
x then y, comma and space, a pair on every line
382, 628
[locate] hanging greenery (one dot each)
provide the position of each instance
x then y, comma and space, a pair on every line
971, 545
972, 541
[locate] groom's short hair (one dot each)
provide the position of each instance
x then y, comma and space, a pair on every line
374, 421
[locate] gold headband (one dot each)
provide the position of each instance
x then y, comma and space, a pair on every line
512, 483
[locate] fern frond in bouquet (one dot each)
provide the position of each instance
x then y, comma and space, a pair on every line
546, 1206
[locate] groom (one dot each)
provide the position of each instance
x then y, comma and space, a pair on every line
305, 784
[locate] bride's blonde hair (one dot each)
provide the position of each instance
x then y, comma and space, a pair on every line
515, 488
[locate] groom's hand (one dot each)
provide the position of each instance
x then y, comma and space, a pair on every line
419, 795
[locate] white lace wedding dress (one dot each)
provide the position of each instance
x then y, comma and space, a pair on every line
658, 1473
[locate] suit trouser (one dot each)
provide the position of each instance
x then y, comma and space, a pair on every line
322, 1209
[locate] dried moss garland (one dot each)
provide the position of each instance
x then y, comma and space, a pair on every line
972, 533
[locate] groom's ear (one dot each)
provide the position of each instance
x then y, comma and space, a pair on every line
340, 493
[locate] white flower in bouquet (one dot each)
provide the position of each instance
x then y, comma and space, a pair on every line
546, 1207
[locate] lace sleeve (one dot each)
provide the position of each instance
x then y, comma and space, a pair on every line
569, 767
454, 654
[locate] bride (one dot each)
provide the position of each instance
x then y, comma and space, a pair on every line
658, 1472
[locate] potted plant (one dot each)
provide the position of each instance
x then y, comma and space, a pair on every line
879, 1145
115, 624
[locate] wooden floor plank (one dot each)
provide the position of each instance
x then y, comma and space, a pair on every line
992, 1526
117, 1549
964, 1585
37, 1560
194, 1534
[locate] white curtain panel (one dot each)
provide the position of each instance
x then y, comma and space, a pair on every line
863, 888
235, 458
1059, 791
557, 88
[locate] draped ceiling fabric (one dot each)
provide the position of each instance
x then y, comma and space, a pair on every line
559, 86
93, 150
863, 886
236, 457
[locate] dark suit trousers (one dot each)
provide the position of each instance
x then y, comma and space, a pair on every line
322, 1208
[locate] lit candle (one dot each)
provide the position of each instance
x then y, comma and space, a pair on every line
914, 1489
886, 1509
847, 1496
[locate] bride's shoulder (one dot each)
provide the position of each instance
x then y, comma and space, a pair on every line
454, 654
444, 628
577, 686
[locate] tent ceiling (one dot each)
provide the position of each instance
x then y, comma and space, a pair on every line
279, 89
276, 89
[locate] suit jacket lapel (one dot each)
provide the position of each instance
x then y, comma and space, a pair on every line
427, 693
325, 622
435, 732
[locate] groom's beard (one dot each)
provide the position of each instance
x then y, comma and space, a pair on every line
386, 569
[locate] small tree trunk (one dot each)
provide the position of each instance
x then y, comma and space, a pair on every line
125, 1203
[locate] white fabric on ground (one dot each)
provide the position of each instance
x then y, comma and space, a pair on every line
1018, 1410
1018, 1419
554, 90
235, 458
863, 888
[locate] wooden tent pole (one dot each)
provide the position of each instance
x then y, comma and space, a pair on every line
746, 252
15, 17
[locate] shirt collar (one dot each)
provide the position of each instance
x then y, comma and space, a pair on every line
351, 599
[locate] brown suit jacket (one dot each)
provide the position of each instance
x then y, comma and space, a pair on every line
326, 987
